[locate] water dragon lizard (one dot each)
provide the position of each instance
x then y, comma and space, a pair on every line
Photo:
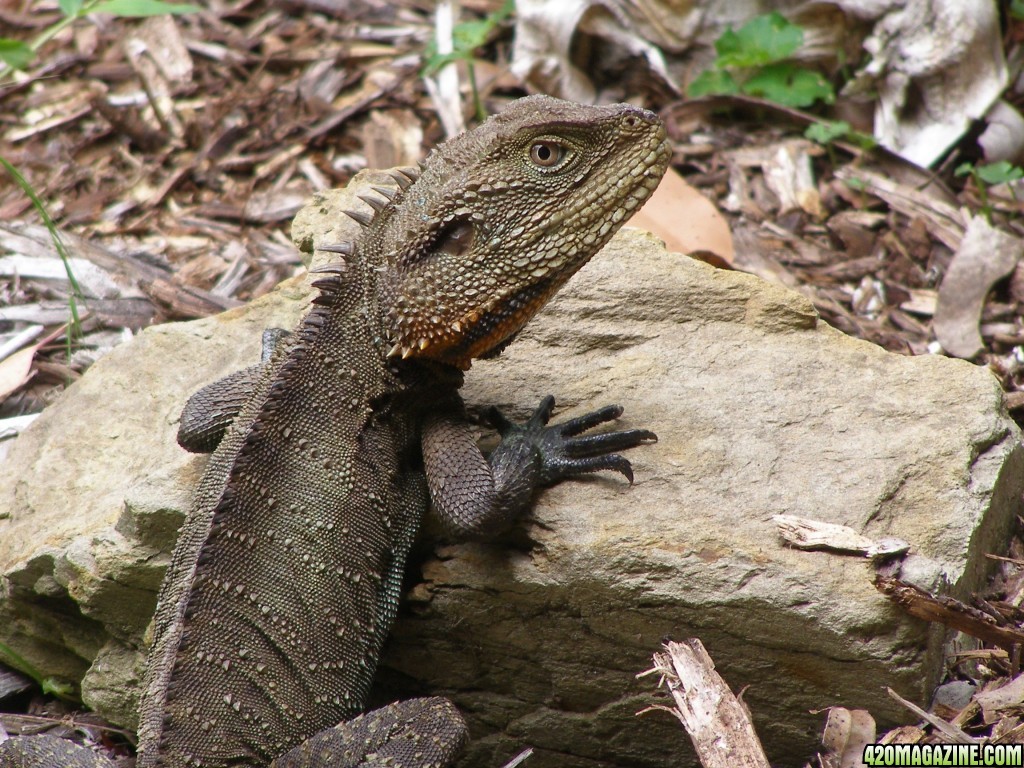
287, 572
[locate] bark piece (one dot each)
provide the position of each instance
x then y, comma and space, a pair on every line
717, 721
948, 611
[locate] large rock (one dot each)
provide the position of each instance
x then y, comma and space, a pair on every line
760, 409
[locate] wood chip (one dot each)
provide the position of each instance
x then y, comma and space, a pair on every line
803, 533
945, 222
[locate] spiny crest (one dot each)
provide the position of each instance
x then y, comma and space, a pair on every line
364, 218
375, 203
345, 248
333, 286
332, 290
405, 176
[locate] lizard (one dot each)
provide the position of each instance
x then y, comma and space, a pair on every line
287, 572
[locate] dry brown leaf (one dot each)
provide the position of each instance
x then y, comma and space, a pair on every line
935, 68
391, 138
16, 370
994, 701
847, 732
157, 53
790, 176
985, 256
686, 220
547, 55
945, 222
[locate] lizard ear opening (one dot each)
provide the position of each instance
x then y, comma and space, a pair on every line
455, 240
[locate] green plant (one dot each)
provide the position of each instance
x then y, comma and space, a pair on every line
75, 326
17, 54
985, 176
825, 132
49, 685
466, 38
1017, 9
752, 60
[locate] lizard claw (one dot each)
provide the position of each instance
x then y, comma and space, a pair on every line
564, 450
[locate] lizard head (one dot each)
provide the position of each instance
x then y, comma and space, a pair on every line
503, 215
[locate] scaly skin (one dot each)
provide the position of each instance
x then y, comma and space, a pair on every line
286, 576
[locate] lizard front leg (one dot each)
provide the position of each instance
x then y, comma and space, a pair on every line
209, 411
478, 498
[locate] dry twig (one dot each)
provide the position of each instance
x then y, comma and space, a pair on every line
716, 720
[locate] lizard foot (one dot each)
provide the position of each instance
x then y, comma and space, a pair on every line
565, 451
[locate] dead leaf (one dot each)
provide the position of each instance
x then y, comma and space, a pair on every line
787, 172
985, 256
994, 701
392, 138
1003, 139
847, 732
16, 370
944, 221
550, 53
936, 68
686, 220
157, 53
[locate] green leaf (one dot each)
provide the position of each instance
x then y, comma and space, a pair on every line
466, 38
827, 131
53, 687
70, 7
1017, 9
470, 35
963, 169
711, 82
49, 685
434, 61
15, 54
789, 85
762, 40
1000, 173
137, 9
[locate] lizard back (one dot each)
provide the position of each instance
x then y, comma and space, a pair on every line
321, 525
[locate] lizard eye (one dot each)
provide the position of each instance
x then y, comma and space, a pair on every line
547, 154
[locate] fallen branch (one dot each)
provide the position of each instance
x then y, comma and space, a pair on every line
716, 720
948, 611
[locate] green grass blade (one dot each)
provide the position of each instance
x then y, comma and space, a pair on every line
75, 329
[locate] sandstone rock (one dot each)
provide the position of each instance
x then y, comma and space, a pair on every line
760, 408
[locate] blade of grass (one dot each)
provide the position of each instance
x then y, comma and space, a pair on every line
75, 326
